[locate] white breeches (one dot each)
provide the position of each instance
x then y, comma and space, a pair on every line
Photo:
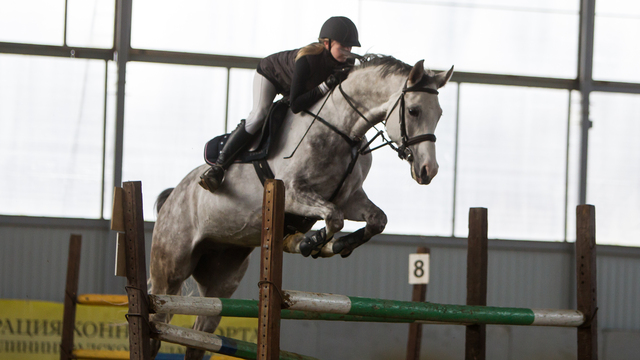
263, 94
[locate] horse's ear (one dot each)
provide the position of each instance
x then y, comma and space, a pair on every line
416, 73
442, 77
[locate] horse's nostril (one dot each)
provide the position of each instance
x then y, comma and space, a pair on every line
424, 174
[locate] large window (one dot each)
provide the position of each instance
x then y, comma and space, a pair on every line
240, 27
171, 111
513, 160
501, 37
89, 22
513, 149
616, 52
507, 37
33, 21
614, 171
51, 136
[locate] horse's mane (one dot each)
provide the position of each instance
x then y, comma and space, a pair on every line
388, 64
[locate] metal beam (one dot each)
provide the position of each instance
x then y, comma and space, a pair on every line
185, 58
618, 87
122, 47
585, 80
515, 80
56, 51
241, 62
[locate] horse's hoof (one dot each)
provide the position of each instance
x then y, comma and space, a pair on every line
212, 178
292, 241
311, 245
345, 245
344, 254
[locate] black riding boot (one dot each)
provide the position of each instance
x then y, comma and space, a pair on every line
238, 139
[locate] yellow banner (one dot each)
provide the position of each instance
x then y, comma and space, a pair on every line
31, 330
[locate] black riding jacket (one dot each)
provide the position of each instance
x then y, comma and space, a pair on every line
299, 79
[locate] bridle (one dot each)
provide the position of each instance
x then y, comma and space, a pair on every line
357, 149
404, 152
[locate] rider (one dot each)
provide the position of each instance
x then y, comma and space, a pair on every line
305, 75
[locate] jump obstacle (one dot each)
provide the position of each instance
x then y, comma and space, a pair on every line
70, 302
160, 304
476, 317
305, 305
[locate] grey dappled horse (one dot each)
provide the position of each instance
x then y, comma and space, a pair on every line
210, 236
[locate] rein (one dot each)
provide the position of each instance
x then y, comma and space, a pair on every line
404, 152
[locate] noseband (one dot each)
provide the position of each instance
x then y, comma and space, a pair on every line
404, 152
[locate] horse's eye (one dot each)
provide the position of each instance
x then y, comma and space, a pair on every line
414, 112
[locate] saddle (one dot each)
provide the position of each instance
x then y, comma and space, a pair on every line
272, 124
257, 155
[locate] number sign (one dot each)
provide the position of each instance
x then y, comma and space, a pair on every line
418, 269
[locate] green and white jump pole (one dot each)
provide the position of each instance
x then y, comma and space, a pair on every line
209, 306
430, 312
317, 306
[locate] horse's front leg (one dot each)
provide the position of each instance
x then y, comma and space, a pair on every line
312, 205
358, 208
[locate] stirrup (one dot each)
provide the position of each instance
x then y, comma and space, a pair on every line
211, 179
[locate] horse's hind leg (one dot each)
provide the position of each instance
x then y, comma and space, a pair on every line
170, 266
218, 274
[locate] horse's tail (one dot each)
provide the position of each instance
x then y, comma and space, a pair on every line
162, 198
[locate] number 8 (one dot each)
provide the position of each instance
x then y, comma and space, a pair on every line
418, 271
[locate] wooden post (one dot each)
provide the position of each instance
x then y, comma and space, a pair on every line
271, 271
586, 281
477, 257
415, 329
136, 272
70, 295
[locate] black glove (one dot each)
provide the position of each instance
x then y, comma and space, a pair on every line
342, 73
332, 81
337, 77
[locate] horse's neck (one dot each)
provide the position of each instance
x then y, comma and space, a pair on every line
372, 95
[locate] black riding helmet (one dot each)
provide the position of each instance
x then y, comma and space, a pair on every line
340, 29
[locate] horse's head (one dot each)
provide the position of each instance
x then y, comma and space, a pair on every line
413, 118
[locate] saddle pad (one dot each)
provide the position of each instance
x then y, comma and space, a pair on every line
270, 128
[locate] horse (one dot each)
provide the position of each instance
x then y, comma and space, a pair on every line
323, 157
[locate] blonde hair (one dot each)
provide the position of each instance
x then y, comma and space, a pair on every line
312, 49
